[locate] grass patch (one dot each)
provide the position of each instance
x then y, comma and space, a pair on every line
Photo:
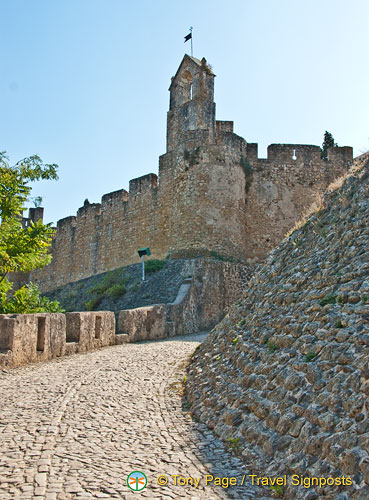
233, 443
328, 299
154, 265
112, 285
116, 291
339, 324
91, 305
278, 490
272, 347
310, 356
221, 257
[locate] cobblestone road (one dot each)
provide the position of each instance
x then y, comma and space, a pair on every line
74, 428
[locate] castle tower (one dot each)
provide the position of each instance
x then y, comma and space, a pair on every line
201, 179
192, 106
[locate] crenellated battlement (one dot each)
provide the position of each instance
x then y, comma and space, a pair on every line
287, 153
142, 184
120, 196
298, 154
212, 195
67, 221
89, 210
224, 126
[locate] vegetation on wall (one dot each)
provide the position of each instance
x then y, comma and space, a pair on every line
249, 172
22, 249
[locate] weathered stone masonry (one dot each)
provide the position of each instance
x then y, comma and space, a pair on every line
213, 194
201, 302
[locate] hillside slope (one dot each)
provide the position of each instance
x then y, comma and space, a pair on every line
285, 376
123, 288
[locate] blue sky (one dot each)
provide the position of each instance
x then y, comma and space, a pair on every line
84, 83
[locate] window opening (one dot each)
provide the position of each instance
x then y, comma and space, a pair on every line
41, 328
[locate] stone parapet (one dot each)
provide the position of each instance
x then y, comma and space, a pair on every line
31, 338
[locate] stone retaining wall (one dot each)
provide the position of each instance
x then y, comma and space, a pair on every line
203, 299
284, 378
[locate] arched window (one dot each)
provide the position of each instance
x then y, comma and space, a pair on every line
187, 86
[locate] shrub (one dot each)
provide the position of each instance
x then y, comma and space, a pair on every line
328, 299
272, 346
28, 300
234, 443
135, 286
112, 284
278, 490
310, 356
154, 265
116, 290
92, 304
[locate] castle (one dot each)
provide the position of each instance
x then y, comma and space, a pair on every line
213, 195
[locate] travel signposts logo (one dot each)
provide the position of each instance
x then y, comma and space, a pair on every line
136, 481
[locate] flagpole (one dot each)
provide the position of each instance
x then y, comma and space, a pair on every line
191, 41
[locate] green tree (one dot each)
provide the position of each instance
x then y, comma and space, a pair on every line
328, 142
22, 249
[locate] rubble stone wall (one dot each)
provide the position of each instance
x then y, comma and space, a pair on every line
285, 375
203, 299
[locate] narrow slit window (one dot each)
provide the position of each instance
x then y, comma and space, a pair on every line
98, 327
41, 329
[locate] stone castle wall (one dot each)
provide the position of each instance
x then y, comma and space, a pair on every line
212, 195
199, 206
283, 189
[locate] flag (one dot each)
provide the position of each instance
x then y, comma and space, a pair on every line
188, 37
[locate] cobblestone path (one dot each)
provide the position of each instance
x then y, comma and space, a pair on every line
75, 427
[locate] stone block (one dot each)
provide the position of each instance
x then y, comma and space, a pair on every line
55, 328
121, 338
143, 323
90, 330
26, 337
